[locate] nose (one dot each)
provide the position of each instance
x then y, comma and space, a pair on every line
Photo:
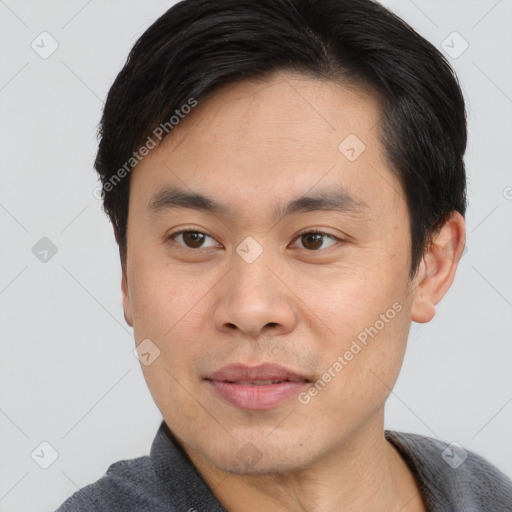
255, 300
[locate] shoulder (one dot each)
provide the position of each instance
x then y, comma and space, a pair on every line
163, 481
127, 485
451, 476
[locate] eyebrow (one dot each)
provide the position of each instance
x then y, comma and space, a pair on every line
325, 200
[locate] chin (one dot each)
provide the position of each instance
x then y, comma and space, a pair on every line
246, 454
263, 464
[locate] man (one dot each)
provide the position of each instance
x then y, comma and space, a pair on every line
286, 183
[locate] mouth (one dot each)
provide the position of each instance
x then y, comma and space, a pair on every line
256, 388
262, 382
262, 374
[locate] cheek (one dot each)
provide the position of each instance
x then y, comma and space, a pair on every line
368, 318
168, 311
164, 297
364, 373
349, 300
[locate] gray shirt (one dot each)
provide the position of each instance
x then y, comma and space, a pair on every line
167, 481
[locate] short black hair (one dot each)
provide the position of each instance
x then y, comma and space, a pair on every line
198, 45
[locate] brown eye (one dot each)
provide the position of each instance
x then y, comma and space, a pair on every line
191, 239
313, 240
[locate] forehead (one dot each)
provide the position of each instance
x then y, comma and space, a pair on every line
283, 110
281, 136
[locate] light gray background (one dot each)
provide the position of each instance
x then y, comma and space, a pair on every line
68, 374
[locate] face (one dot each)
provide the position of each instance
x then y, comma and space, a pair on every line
272, 347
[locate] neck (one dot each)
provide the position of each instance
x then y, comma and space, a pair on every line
364, 472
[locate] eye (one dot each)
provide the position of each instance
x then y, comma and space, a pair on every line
314, 240
192, 239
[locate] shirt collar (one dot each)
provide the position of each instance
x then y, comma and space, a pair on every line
178, 477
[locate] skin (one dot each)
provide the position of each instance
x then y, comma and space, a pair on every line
254, 145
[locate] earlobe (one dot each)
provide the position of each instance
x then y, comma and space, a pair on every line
422, 308
127, 307
437, 269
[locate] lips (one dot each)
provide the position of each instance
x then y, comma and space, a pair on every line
262, 387
262, 375
257, 382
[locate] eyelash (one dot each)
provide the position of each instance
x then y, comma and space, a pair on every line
307, 231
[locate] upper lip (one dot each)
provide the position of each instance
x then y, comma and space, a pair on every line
240, 372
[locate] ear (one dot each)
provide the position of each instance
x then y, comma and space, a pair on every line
127, 306
437, 269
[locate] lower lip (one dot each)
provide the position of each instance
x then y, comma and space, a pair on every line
257, 397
